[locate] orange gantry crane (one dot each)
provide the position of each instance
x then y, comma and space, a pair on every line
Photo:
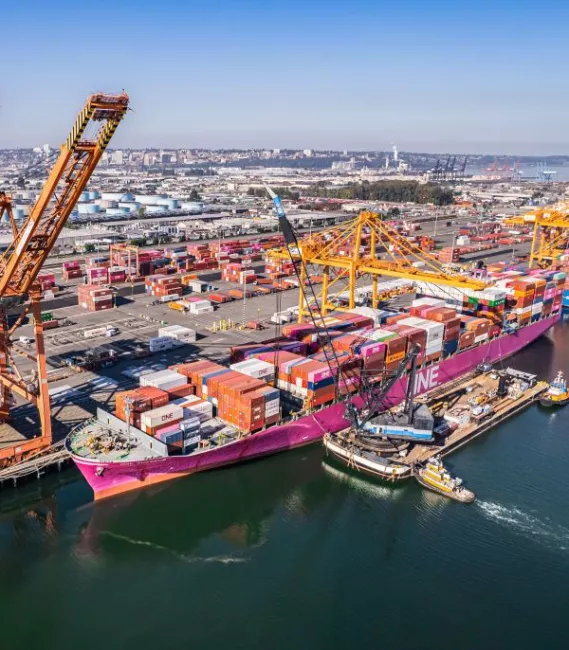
365, 246
32, 242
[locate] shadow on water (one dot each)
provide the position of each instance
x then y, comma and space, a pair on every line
233, 506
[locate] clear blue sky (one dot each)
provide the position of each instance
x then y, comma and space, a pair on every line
432, 76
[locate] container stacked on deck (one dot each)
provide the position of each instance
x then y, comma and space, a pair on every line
244, 401
72, 270
94, 298
163, 286
139, 401
192, 405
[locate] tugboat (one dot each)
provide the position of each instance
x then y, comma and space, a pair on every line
434, 476
556, 394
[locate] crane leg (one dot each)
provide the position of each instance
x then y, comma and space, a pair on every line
4, 391
43, 404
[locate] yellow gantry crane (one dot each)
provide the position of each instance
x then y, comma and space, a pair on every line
364, 246
550, 236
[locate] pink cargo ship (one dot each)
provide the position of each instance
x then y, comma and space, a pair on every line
111, 471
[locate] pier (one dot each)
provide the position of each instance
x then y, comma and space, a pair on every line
36, 466
456, 399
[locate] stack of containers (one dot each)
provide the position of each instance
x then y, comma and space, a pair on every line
180, 391
247, 276
448, 317
414, 336
480, 327
288, 345
312, 380
282, 361
524, 294
247, 403
98, 262
199, 305
139, 401
231, 272
537, 307
160, 343
193, 406
161, 286
255, 368
179, 334
94, 298
560, 280
191, 436
246, 350
396, 346
345, 366
97, 275
116, 274
72, 270
434, 335
197, 372
163, 379
159, 422
278, 268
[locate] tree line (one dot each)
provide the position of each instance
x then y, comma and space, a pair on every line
392, 191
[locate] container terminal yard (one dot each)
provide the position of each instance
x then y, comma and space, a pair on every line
83, 334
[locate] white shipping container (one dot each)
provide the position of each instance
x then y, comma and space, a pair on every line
162, 415
254, 368
196, 285
537, 308
428, 302
164, 379
178, 333
202, 310
194, 440
272, 408
174, 296
481, 337
434, 329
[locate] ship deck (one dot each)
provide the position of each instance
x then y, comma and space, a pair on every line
82, 444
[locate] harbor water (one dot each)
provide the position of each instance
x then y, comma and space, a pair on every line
292, 552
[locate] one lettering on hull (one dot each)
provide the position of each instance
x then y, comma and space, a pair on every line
426, 379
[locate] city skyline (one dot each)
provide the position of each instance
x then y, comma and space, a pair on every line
442, 78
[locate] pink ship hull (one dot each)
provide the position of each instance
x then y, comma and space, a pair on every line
108, 479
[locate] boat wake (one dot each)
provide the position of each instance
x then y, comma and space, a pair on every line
189, 559
527, 524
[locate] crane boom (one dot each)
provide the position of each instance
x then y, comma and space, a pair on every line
33, 240
79, 155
